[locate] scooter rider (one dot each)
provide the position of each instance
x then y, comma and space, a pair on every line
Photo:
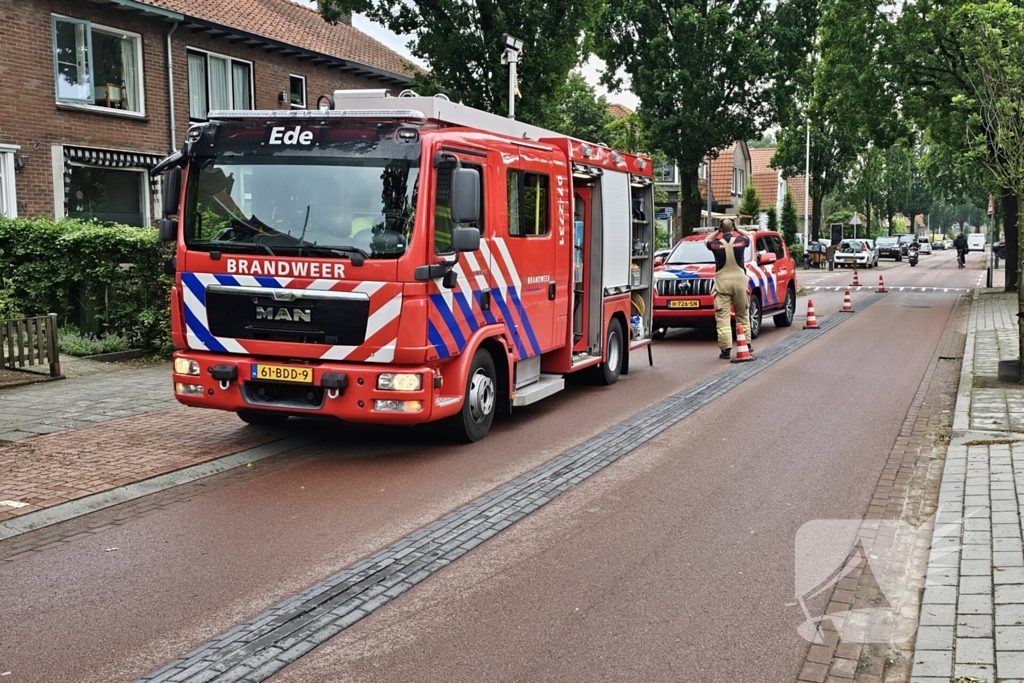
960, 244
912, 253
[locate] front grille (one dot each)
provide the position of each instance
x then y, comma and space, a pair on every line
312, 318
303, 397
685, 286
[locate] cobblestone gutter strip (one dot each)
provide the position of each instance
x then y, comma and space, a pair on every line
255, 650
876, 647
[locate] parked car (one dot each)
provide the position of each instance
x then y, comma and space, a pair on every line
683, 284
975, 242
889, 247
949, 244
924, 245
856, 254
939, 244
906, 240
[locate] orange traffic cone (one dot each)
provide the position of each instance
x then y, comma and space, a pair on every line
847, 304
881, 285
812, 320
742, 352
856, 282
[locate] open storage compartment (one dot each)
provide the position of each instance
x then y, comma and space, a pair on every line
641, 192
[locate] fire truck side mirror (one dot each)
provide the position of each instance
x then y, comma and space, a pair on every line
465, 196
170, 191
466, 239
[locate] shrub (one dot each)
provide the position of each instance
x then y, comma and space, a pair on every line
789, 220
74, 343
107, 280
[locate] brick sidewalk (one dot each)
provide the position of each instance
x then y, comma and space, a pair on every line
27, 411
973, 606
56, 468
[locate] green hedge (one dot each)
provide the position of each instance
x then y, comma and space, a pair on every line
106, 280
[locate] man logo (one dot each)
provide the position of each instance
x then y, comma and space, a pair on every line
292, 315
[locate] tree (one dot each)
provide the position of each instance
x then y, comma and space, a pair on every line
896, 163
461, 44
773, 222
766, 140
864, 184
580, 112
707, 73
750, 203
628, 134
789, 221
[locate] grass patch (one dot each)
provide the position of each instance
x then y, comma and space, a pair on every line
992, 442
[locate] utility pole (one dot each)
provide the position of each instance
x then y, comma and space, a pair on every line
513, 47
807, 187
707, 180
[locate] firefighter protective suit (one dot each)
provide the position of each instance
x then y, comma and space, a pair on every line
730, 286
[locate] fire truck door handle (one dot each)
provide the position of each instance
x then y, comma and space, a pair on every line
551, 291
485, 300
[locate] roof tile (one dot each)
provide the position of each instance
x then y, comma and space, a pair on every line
292, 24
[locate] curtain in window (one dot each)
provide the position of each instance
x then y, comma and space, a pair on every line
220, 96
242, 96
197, 108
130, 69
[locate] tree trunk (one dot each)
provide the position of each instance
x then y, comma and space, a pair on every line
1012, 230
912, 227
888, 214
690, 202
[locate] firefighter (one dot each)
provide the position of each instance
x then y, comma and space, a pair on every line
729, 247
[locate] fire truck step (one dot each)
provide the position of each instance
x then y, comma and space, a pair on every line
541, 389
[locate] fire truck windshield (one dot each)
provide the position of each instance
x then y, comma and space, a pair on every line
302, 206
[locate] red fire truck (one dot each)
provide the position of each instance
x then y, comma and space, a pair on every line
400, 260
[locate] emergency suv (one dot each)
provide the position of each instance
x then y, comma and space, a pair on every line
684, 284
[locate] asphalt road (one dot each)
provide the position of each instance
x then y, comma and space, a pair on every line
674, 562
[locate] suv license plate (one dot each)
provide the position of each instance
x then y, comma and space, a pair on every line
282, 373
685, 303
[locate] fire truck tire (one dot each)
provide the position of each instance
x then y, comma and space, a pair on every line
607, 373
260, 418
474, 420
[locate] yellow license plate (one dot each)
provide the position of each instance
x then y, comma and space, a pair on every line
685, 303
282, 373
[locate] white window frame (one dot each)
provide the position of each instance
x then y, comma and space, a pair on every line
674, 180
89, 106
8, 196
303, 79
231, 90
144, 196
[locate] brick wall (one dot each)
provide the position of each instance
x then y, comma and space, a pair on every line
30, 117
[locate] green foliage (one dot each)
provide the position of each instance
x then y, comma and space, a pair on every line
107, 279
766, 140
580, 112
628, 134
750, 203
461, 44
789, 219
72, 342
8, 306
700, 69
797, 252
899, 226
773, 219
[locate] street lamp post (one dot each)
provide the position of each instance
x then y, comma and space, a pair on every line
513, 47
807, 187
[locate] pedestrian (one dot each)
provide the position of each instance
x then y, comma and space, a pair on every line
729, 246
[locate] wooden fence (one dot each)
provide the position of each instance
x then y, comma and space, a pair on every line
26, 342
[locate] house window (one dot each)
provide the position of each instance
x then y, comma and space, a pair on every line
216, 82
97, 66
298, 91
108, 195
664, 172
527, 204
8, 200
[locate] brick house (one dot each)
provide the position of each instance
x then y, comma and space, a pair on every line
98, 91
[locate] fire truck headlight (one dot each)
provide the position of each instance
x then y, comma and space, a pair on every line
398, 406
399, 382
184, 366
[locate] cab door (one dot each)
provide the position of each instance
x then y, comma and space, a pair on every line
522, 253
768, 281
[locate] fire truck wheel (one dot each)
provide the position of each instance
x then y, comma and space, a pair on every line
608, 371
474, 420
261, 418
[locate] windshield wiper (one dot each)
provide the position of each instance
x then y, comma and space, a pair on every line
356, 254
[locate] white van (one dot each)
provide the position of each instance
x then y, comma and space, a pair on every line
975, 242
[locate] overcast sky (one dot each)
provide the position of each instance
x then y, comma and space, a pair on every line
591, 70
